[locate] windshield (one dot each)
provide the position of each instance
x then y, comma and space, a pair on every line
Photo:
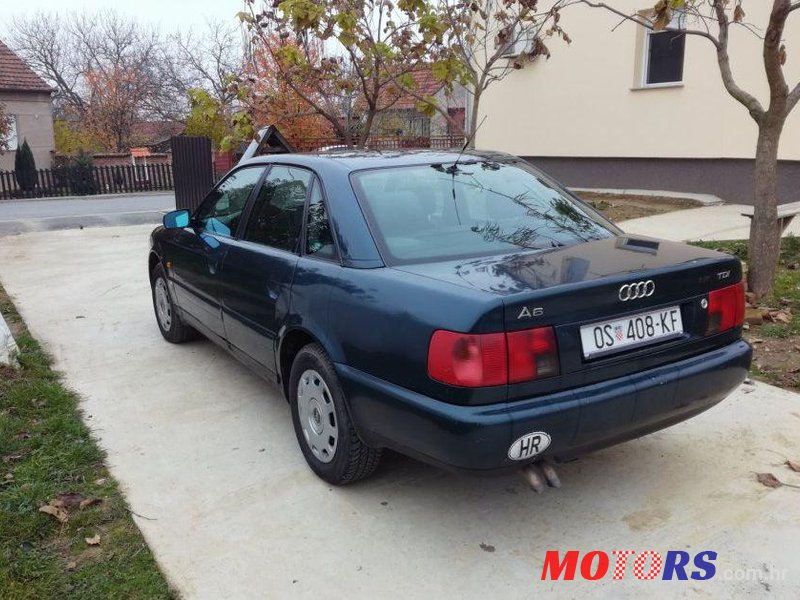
473, 208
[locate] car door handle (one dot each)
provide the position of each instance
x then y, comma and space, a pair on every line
273, 289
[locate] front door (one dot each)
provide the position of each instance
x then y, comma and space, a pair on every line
258, 268
197, 252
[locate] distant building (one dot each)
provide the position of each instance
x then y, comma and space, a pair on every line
155, 135
404, 119
27, 100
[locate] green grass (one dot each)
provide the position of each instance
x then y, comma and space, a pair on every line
46, 450
787, 283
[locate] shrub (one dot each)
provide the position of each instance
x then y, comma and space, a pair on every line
25, 168
81, 178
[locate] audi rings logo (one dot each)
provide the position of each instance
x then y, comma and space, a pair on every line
640, 289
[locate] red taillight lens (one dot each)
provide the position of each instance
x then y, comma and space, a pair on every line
478, 360
725, 308
468, 360
532, 354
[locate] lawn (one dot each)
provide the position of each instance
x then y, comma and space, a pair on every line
86, 545
776, 341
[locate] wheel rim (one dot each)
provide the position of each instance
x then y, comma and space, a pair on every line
163, 305
317, 415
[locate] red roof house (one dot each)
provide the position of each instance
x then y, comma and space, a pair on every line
26, 98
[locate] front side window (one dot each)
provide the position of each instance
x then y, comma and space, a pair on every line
473, 208
222, 210
277, 215
664, 52
319, 238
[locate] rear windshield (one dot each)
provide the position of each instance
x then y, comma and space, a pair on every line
473, 208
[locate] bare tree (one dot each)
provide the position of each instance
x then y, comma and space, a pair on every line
43, 42
109, 71
712, 20
209, 60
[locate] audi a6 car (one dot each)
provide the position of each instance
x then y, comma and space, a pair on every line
463, 309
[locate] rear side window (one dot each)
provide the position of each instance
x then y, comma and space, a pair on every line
277, 215
475, 208
222, 210
319, 239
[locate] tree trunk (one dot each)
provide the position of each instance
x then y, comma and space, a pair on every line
364, 137
765, 233
473, 118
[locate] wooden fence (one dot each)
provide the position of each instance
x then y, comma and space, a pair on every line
87, 181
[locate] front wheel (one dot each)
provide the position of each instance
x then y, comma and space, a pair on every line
324, 431
167, 317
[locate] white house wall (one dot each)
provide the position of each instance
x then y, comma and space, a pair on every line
583, 101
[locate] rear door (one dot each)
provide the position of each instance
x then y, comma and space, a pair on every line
258, 268
198, 251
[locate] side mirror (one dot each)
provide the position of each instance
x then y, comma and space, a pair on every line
177, 219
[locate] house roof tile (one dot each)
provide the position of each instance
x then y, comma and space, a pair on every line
17, 76
425, 85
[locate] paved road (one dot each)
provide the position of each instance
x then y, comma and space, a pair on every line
205, 450
19, 216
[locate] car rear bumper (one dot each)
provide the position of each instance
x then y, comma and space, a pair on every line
477, 438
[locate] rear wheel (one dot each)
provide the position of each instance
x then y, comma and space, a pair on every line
324, 431
167, 317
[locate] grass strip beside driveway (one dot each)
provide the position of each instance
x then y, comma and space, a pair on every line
85, 544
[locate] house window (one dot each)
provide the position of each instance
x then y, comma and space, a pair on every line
663, 59
13, 137
520, 42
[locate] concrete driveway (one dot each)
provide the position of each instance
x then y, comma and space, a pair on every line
708, 223
205, 451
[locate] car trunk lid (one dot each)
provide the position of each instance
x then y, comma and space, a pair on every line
594, 283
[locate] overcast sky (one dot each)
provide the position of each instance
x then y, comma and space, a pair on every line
168, 14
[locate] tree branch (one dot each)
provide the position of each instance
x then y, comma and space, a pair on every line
720, 44
793, 98
644, 22
773, 62
749, 101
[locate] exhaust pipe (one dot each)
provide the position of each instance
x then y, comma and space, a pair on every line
550, 474
540, 473
534, 476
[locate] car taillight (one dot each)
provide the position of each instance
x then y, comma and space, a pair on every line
725, 308
478, 360
532, 354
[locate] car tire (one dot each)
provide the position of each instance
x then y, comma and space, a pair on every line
169, 321
325, 433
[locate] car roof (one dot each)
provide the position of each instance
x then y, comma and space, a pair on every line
357, 159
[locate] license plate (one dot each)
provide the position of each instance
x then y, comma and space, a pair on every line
636, 330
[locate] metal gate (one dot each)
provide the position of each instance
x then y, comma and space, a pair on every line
192, 170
